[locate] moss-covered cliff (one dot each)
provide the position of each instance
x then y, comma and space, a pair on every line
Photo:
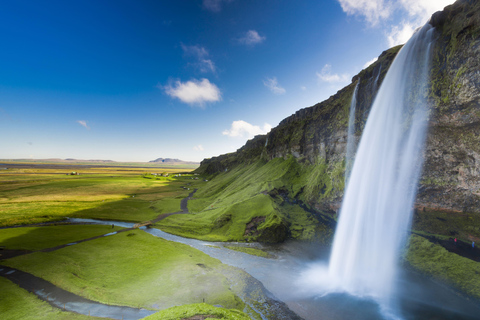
451, 176
297, 170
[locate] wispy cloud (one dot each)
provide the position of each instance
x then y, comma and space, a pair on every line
251, 38
202, 58
193, 92
326, 75
83, 123
272, 84
198, 148
214, 5
368, 63
241, 129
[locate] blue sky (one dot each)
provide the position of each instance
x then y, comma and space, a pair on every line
189, 79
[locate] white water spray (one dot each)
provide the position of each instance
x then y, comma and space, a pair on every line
351, 141
377, 207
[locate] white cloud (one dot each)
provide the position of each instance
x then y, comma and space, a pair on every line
327, 76
194, 92
372, 10
368, 63
240, 129
303, 88
201, 55
214, 5
415, 13
400, 34
83, 123
272, 84
198, 148
251, 37
424, 8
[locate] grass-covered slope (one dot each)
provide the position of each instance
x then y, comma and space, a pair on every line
133, 269
450, 268
260, 201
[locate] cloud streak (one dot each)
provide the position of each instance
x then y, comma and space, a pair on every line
214, 5
193, 92
198, 148
83, 123
272, 84
203, 62
241, 129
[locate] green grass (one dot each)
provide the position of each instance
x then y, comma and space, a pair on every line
36, 195
229, 201
17, 303
133, 269
252, 251
186, 311
450, 268
37, 238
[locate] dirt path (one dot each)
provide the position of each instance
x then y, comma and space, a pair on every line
68, 301
461, 248
183, 208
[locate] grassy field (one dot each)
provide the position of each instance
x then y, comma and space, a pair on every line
37, 238
32, 195
223, 207
187, 311
17, 303
133, 269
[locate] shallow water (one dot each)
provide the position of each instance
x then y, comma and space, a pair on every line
419, 298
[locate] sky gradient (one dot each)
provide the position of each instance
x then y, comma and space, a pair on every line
138, 80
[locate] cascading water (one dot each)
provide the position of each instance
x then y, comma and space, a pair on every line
377, 207
351, 143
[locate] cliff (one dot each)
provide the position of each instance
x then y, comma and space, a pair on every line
451, 175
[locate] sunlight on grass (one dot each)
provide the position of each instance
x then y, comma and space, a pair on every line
133, 269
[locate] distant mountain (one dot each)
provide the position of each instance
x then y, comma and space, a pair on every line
173, 161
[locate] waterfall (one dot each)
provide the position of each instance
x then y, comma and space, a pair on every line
351, 141
378, 202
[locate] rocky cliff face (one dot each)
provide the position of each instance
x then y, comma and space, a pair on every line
451, 175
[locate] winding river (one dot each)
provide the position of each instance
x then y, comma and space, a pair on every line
420, 298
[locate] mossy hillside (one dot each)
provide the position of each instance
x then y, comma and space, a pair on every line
133, 269
442, 265
226, 223
38, 238
17, 303
224, 207
447, 225
198, 309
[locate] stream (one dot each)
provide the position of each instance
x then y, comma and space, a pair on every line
419, 297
